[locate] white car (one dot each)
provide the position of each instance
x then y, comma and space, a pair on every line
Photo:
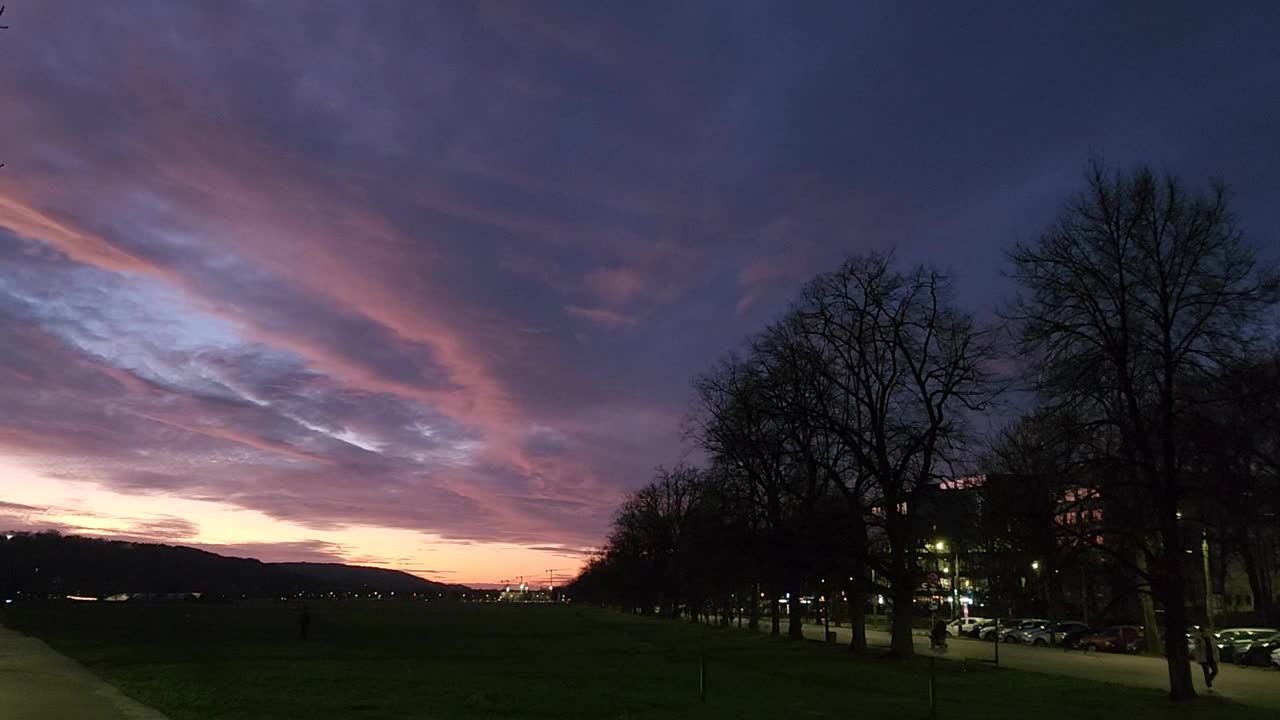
1275, 658
1042, 635
964, 627
1014, 634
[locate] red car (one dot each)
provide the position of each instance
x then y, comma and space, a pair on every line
1117, 638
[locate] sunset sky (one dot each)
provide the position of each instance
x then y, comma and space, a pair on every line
424, 285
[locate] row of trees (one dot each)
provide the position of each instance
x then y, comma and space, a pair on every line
1138, 341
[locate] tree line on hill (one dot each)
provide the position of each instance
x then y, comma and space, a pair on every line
51, 565
848, 435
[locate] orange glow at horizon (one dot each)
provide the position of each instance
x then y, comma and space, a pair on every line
86, 508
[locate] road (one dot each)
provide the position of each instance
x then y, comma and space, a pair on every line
37, 683
1258, 687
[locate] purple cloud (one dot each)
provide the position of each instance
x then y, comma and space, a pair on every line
449, 267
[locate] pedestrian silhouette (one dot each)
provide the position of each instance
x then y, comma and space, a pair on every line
304, 622
1206, 653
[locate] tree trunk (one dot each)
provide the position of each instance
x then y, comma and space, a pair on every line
858, 613
795, 628
1146, 600
1172, 591
753, 609
902, 644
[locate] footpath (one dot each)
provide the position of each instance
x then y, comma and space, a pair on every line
1257, 687
37, 683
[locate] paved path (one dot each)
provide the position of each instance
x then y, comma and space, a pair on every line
37, 683
1258, 687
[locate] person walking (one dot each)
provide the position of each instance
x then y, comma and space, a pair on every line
938, 635
1206, 653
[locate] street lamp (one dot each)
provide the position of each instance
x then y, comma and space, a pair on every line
1035, 565
941, 546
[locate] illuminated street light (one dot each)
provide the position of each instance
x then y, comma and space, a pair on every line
1035, 565
939, 546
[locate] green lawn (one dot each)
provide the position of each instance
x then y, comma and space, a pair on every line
401, 660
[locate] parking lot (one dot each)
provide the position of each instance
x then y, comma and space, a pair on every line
1259, 687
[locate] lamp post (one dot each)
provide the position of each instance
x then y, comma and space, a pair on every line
941, 547
1208, 587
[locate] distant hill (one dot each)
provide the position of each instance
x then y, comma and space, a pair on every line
47, 563
358, 576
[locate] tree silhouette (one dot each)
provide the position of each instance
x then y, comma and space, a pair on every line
1137, 296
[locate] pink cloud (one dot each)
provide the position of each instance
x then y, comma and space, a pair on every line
601, 316
616, 286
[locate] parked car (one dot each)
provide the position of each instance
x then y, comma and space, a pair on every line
1275, 658
1073, 640
1050, 634
964, 626
1117, 638
987, 630
1014, 634
1235, 640
1259, 651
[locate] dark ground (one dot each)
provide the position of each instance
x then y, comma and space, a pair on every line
415, 660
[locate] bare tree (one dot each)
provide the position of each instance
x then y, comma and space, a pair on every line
910, 365
1140, 291
651, 531
734, 424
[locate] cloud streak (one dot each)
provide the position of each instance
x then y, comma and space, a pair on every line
446, 269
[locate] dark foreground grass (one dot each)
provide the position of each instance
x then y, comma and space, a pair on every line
402, 660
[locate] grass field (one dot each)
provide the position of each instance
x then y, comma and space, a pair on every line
401, 660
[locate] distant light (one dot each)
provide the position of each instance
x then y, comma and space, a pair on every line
939, 546
1035, 564
8, 601
880, 599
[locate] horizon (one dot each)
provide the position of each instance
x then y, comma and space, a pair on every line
221, 551
424, 287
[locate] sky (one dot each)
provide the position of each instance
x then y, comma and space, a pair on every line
424, 285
